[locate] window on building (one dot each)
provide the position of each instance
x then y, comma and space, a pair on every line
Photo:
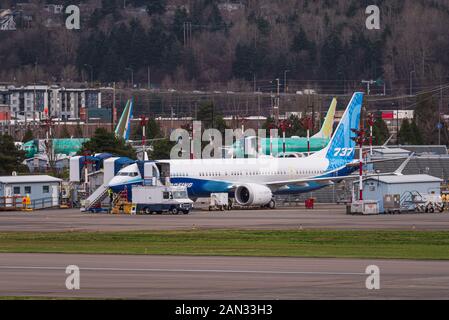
16, 190
45, 189
27, 190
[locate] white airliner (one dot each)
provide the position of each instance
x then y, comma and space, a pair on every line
254, 181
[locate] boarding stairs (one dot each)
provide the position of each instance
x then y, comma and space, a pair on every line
96, 197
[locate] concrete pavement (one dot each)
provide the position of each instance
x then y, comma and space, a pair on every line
324, 217
182, 277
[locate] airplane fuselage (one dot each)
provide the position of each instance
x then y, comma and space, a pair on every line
205, 176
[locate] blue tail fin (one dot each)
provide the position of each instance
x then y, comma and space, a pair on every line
341, 147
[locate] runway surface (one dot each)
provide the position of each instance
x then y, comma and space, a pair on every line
324, 217
180, 277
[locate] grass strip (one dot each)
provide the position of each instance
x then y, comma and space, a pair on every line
275, 243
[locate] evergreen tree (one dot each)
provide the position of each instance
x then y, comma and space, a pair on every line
104, 141
210, 117
249, 60
331, 55
263, 26
152, 130
296, 128
11, 158
416, 134
179, 19
110, 6
380, 132
156, 7
427, 118
28, 136
268, 124
161, 149
300, 41
405, 133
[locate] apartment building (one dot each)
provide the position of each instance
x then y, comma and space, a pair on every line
36, 102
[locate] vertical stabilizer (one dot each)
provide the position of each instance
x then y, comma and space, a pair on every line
341, 148
327, 127
123, 128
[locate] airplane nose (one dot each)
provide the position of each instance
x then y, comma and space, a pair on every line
114, 181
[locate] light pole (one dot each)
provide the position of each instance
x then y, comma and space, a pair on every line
285, 80
277, 102
132, 76
91, 72
411, 81
254, 81
368, 83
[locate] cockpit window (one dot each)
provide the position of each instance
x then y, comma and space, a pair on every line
128, 174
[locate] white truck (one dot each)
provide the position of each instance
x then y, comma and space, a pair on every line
159, 199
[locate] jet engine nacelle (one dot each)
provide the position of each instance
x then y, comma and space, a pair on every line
252, 194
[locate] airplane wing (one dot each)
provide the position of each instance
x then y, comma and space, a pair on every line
331, 177
356, 162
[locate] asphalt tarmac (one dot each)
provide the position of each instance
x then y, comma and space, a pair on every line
323, 217
181, 277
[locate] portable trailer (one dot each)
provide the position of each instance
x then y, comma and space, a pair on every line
159, 199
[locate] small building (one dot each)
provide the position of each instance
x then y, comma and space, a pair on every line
40, 163
43, 190
390, 153
375, 188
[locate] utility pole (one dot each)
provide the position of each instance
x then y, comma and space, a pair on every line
359, 139
187, 29
91, 73
411, 82
171, 118
276, 103
371, 124
113, 109
439, 114
143, 124
132, 76
285, 81
34, 106
254, 81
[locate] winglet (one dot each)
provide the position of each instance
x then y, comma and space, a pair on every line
327, 128
401, 168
